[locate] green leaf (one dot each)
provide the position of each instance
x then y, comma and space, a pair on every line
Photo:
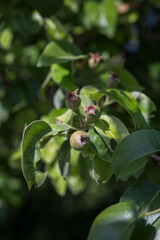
62, 77
85, 102
59, 51
56, 128
127, 101
128, 80
57, 180
117, 128
66, 117
91, 13
102, 15
88, 153
51, 118
64, 159
47, 7
112, 222
128, 155
108, 17
54, 29
140, 193
102, 170
58, 98
32, 134
3, 113
154, 208
98, 146
146, 105
6, 37
103, 129
156, 226
64, 163
50, 151
146, 195
75, 184
135, 217
86, 90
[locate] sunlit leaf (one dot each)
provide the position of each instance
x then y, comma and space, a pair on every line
98, 145
64, 159
128, 80
86, 90
6, 37
102, 170
127, 101
103, 129
135, 217
32, 134
57, 180
117, 128
110, 224
59, 51
129, 154
146, 105
62, 77
140, 193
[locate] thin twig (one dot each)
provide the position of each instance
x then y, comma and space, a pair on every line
155, 157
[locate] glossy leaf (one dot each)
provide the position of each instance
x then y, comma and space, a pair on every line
146, 105
128, 80
140, 193
66, 117
128, 155
142, 200
59, 51
60, 127
102, 170
98, 145
85, 102
127, 101
147, 196
88, 153
64, 158
156, 226
32, 134
117, 128
51, 118
113, 221
103, 129
154, 209
86, 90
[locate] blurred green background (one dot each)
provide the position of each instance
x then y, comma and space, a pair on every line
111, 27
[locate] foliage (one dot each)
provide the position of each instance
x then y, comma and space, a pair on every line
48, 47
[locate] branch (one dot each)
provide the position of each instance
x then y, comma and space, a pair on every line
155, 157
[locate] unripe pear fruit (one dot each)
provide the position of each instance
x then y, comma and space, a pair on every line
79, 140
113, 81
72, 100
92, 113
